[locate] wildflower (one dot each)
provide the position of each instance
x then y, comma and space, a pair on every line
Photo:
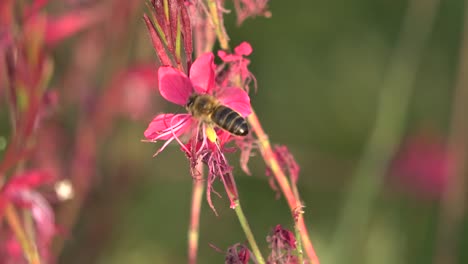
176, 87
205, 143
236, 67
234, 72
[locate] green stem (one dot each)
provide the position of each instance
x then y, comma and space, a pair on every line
248, 232
282, 180
300, 254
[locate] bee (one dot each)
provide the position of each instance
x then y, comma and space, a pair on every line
208, 109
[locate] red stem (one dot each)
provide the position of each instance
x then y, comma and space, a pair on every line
294, 204
193, 232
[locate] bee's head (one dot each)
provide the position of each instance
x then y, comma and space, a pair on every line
191, 101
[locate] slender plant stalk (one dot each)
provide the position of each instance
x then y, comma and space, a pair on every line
300, 254
222, 37
454, 197
269, 157
248, 232
297, 231
393, 101
294, 204
29, 248
194, 226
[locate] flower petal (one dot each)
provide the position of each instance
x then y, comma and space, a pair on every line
237, 99
28, 180
166, 126
243, 49
60, 28
174, 85
227, 57
202, 73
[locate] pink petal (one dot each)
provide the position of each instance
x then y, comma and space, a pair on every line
43, 215
67, 25
202, 73
165, 126
237, 99
28, 180
227, 57
174, 85
243, 49
13, 250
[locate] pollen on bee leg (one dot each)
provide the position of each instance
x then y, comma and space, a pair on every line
211, 134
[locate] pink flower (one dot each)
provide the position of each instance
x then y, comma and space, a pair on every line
238, 67
251, 8
176, 87
205, 143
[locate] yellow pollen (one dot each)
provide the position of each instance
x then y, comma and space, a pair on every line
211, 134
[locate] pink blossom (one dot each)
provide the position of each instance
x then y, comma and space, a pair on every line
251, 8
176, 87
236, 67
203, 142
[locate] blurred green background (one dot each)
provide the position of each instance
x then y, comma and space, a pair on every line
320, 67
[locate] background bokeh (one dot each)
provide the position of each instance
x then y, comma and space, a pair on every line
320, 67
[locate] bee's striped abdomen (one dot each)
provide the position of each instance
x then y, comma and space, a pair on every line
230, 120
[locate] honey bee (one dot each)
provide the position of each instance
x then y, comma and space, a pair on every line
208, 109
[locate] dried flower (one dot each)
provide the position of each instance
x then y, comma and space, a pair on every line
237, 254
282, 244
